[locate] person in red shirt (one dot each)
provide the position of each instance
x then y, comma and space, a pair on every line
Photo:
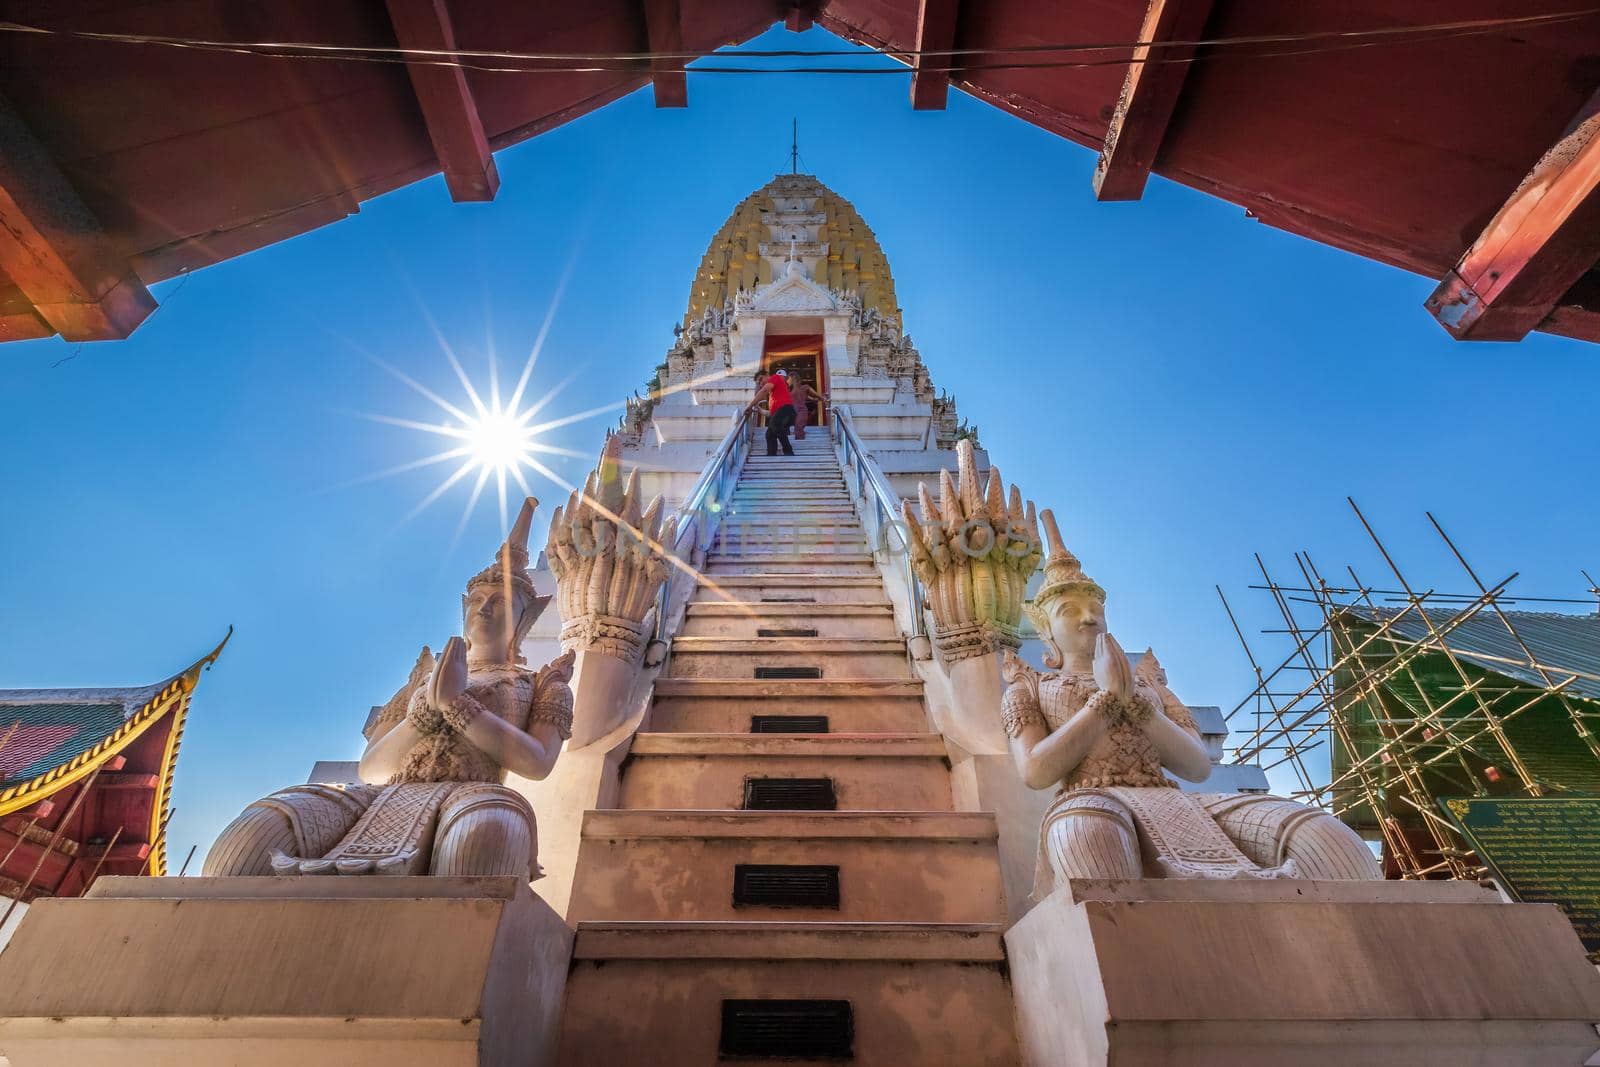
780, 412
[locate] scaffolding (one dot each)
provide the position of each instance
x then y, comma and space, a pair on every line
1391, 696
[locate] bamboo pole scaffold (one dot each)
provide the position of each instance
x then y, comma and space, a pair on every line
1400, 703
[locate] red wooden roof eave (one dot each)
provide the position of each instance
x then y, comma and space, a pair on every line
199, 249
1199, 162
1276, 209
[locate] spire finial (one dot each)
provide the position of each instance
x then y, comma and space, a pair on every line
794, 146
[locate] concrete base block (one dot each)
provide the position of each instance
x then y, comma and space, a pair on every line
929, 867
582, 778
1252, 974
252, 972
650, 994
991, 783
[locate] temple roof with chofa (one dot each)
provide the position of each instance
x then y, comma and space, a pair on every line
86, 781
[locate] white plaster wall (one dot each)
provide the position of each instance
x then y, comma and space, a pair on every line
7, 930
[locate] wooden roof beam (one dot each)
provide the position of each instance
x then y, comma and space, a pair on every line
54, 251
1150, 92
448, 109
664, 30
1538, 245
802, 14
936, 31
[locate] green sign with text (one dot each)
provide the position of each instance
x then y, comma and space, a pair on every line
1543, 850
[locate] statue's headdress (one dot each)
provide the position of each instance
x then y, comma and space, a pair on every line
1063, 573
512, 559
510, 571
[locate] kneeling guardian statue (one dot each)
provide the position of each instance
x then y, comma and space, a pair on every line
432, 798
1103, 734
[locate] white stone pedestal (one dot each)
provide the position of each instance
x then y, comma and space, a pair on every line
1268, 973
262, 972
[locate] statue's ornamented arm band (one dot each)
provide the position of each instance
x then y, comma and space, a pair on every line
1019, 710
553, 704
421, 715
460, 712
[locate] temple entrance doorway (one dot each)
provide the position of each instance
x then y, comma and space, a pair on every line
801, 356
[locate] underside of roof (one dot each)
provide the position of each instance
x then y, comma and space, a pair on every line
1465, 156
86, 782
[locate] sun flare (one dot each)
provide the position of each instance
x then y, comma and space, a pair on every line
486, 435
498, 440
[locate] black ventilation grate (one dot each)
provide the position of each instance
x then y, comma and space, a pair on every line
787, 1029
789, 794
785, 633
773, 885
788, 672
788, 724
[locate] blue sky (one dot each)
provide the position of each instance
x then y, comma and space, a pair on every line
1185, 387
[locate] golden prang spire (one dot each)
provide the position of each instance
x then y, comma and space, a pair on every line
771, 216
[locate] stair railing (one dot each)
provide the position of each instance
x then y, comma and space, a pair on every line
700, 514
872, 486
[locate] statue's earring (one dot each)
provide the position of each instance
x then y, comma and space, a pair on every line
1053, 658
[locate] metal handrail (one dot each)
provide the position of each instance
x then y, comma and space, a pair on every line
694, 521
886, 505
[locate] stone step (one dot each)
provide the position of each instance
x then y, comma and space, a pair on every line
808, 453
803, 450
778, 529
773, 526
849, 705
797, 490
905, 772
809, 443
778, 504
892, 866
832, 555
829, 620
829, 480
790, 548
918, 995
791, 499
791, 468
791, 482
798, 544
831, 476
790, 588
773, 511
735, 658
775, 519
814, 565
771, 488
769, 519
799, 553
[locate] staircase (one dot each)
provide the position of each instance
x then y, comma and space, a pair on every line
782, 876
